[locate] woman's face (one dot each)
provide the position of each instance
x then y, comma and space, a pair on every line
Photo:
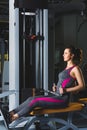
67, 55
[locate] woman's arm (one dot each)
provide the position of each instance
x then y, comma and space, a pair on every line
75, 73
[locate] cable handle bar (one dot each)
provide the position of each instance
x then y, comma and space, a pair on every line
54, 93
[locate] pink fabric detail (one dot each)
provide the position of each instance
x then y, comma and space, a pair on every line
47, 99
70, 68
66, 81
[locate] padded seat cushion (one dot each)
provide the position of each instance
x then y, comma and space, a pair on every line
74, 106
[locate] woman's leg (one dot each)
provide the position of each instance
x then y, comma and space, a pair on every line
43, 101
22, 109
15, 111
25, 103
25, 107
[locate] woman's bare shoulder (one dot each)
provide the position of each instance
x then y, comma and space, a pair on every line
77, 68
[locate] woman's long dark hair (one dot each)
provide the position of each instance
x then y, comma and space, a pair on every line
77, 59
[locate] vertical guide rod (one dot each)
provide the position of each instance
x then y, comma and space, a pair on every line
24, 50
41, 50
45, 49
37, 50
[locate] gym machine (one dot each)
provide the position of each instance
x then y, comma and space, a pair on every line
41, 48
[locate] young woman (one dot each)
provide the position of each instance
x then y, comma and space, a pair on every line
69, 80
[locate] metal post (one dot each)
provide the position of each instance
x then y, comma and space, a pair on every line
13, 54
41, 50
24, 50
45, 49
37, 49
